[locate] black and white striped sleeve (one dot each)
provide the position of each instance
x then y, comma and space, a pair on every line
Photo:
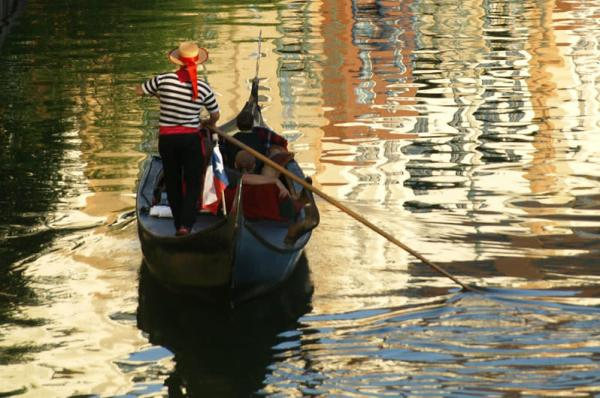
209, 98
211, 103
150, 87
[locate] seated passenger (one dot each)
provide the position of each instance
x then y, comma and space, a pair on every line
288, 206
262, 193
279, 156
293, 206
245, 163
264, 196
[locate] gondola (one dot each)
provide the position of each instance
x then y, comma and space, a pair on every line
224, 255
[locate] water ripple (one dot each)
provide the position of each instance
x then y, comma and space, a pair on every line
470, 344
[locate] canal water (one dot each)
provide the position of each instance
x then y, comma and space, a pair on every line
469, 130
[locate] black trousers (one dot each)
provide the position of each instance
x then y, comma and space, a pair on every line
182, 161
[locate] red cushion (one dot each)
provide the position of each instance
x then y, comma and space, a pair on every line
260, 202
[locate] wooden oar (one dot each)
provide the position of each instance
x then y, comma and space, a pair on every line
339, 205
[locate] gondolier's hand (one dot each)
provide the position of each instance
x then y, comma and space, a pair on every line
140, 91
212, 120
283, 191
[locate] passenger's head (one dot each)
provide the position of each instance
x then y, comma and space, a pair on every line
244, 162
245, 120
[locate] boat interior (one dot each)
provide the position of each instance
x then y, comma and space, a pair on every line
155, 213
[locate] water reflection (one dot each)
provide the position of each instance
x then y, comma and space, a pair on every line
468, 129
220, 351
466, 120
494, 345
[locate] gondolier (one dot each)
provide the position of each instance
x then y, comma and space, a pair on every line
182, 96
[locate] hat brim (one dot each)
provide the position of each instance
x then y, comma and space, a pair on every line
174, 56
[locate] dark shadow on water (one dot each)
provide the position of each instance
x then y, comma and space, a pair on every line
221, 351
10, 10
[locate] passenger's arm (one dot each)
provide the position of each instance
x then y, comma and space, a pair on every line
283, 191
258, 179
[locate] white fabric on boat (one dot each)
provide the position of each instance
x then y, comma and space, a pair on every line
161, 211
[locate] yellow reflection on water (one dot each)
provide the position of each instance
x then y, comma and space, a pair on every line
86, 289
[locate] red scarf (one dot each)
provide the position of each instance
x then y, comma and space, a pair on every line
189, 73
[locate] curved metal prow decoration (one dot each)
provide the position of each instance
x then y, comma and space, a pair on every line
251, 106
254, 89
258, 54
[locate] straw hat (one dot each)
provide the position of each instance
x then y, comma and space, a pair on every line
188, 49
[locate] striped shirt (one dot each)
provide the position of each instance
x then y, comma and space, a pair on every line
176, 105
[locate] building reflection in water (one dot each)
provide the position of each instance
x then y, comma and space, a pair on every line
219, 351
466, 115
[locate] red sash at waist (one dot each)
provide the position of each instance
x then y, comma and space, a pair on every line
169, 130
